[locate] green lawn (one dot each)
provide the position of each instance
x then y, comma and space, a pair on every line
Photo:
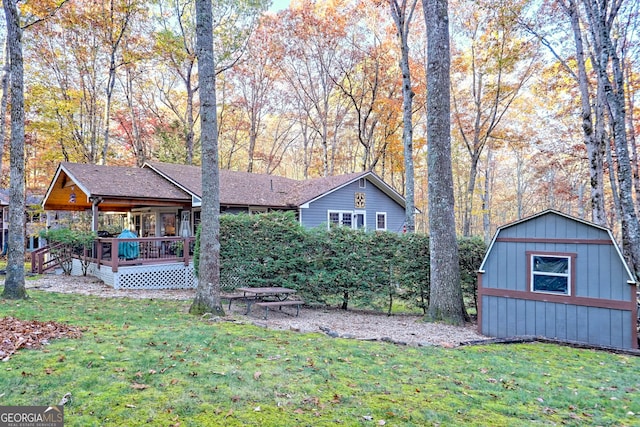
150, 363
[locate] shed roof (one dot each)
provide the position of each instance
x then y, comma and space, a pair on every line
548, 212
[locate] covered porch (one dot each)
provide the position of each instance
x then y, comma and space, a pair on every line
145, 227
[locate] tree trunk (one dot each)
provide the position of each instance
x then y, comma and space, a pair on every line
445, 302
601, 20
189, 121
486, 197
631, 119
471, 191
4, 100
592, 140
14, 286
402, 17
207, 299
111, 82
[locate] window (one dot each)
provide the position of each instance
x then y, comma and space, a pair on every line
168, 224
347, 218
341, 218
381, 220
551, 274
362, 183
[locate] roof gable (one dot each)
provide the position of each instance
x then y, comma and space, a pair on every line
251, 189
110, 183
553, 224
158, 183
566, 227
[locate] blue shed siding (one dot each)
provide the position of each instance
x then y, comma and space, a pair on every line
597, 265
343, 199
598, 315
510, 317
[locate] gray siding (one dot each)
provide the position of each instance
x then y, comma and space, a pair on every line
344, 200
510, 317
600, 272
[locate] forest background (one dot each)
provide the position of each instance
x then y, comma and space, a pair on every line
316, 89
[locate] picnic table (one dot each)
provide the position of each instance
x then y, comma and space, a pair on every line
267, 297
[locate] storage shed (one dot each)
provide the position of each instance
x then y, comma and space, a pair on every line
555, 276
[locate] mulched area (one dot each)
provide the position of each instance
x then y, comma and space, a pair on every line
16, 334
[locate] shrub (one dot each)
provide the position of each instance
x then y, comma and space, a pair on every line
471, 250
336, 266
65, 243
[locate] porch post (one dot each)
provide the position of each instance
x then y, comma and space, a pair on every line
95, 201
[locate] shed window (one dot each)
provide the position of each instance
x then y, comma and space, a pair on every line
551, 274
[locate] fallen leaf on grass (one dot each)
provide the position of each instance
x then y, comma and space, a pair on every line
257, 375
138, 386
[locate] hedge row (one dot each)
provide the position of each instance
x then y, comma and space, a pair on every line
376, 270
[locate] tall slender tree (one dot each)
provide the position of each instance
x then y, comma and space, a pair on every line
207, 299
114, 31
402, 14
4, 85
445, 302
14, 286
601, 17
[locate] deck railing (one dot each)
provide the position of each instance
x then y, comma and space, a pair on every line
115, 252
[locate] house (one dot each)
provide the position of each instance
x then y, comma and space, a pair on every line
559, 277
160, 198
161, 203
34, 221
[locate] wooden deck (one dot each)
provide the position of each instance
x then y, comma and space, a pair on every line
117, 253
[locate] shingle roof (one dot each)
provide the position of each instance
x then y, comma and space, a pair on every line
122, 186
122, 181
31, 199
251, 189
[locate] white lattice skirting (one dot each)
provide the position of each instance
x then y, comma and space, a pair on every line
156, 276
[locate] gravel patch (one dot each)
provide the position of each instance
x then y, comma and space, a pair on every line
400, 329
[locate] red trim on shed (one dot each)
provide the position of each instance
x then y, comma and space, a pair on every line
479, 308
561, 299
